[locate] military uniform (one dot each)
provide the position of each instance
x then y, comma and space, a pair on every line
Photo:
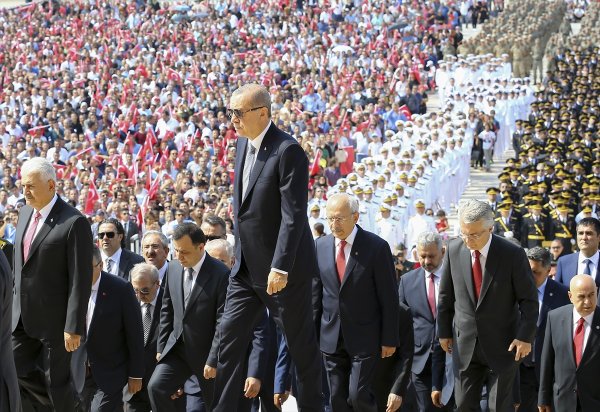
533, 231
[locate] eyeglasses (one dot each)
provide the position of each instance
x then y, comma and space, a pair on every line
109, 235
240, 113
142, 291
473, 236
209, 238
340, 219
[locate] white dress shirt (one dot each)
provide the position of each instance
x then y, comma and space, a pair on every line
485, 250
593, 265
196, 268
348, 247
162, 271
587, 326
116, 260
92, 302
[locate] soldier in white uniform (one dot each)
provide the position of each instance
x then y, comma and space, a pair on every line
387, 228
315, 217
417, 224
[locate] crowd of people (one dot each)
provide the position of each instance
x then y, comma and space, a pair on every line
130, 113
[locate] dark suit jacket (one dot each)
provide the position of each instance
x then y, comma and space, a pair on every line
10, 399
198, 322
393, 373
131, 229
272, 229
364, 308
507, 308
555, 296
149, 348
561, 382
56, 279
114, 344
566, 268
127, 262
413, 294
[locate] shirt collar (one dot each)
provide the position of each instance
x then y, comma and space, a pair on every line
97, 284
577, 316
258, 140
436, 273
45, 211
116, 257
162, 271
542, 288
350, 239
593, 258
198, 265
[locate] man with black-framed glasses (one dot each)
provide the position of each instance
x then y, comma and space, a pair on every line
487, 309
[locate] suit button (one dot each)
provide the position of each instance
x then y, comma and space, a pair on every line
240, 219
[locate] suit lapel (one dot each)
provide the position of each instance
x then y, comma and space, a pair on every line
329, 246
123, 262
175, 280
239, 170
467, 271
593, 340
352, 259
491, 265
24, 218
47, 225
98, 306
567, 325
261, 157
155, 316
201, 280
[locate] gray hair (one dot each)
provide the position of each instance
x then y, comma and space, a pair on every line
352, 201
41, 166
471, 211
259, 95
144, 269
161, 235
539, 254
219, 244
430, 238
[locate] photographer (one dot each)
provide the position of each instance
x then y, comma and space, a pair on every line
402, 265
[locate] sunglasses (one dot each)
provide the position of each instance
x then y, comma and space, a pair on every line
209, 238
240, 113
109, 235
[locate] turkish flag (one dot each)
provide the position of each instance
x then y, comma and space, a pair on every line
92, 197
406, 112
347, 166
314, 168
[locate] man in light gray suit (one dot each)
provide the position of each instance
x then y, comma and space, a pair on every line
487, 292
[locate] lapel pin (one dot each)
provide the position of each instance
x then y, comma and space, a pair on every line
551, 294
597, 327
51, 220
103, 293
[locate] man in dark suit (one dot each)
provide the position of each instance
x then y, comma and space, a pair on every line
551, 295
357, 305
146, 285
571, 353
130, 228
117, 261
585, 261
274, 250
53, 275
419, 290
10, 400
487, 293
192, 308
111, 355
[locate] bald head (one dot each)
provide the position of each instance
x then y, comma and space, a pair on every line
582, 292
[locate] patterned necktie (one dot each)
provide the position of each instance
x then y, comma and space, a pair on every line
109, 263
477, 275
248, 168
340, 261
587, 270
147, 321
187, 285
578, 340
431, 295
30, 235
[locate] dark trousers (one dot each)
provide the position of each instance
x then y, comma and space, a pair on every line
170, 374
291, 310
529, 389
422, 384
350, 380
43, 370
140, 402
94, 399
469, 384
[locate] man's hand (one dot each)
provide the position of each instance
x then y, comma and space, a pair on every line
436, 399
544, 408
209, 372
280, 398
178, 394
158, 356
251, 387
134, 385
522, 349
446, 344
276, 282
72, 341
394, 402
387, 351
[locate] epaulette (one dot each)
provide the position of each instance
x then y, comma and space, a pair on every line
527, 215
3, 243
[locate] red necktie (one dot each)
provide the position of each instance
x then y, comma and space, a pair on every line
340, 261
431, 294
477, 275
30, 235
578, 341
